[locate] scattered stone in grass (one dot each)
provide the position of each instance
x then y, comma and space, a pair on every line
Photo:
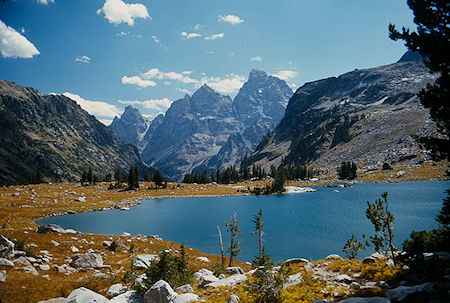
6, 262
44, 267
3, 276
29, 270
22, 261
55, 242
187, 288
116, 290
233, 299
85, 295
233, 270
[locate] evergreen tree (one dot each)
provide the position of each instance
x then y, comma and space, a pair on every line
147, 175
84, 178
259, 230
108, 177
431, 40
118, 176
136, 177
90, 175
158, 178
131, 178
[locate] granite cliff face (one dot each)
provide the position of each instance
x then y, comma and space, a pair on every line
366, 116
209, 130
130, 127
53, 134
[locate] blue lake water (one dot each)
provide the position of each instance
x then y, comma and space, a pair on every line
309, 225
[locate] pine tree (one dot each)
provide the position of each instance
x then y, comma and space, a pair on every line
118, 176
136, 177
90, 175
131, 178
158, 178
259, 229
147, 175
233, 229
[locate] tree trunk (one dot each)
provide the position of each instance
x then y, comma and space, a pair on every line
231, 250
221, 246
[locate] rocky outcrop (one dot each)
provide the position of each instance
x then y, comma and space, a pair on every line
116, 289
143, 261
89, 260
52, 134
6, 248
160, 292
366, 116
83, 295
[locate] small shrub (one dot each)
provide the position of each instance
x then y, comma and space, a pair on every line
217, 269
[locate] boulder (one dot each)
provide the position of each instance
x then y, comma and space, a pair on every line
233, 299
203, 259
206, 279
228, 282
366, 300
185, 298
143, 261
50, 228
54, 300
84, 295
344, 279
295, 261
22, 261
6, 262
402, 292
74, 249
130, 296
89, 260
333, 257
29, 270
160, 292
6, 248
116, 290
80, 199
2, 275
233, 270
202, 272
44, 267
355, 286
293, 280
187, 288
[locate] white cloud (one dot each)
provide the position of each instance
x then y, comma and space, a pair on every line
198, 26
183, 90
101, 110
187, 72
121, 34
45, 2
83, 59
230, 84
285, 74
155, 73
155, 39
13, 44
160, 105
257, 58
117, 11
136, 80
190, 35
232, 19
215, 36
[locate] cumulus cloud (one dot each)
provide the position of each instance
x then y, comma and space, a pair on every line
159, 105
45, 2
155, 73
103, 111
257, 58
14, 45
232, 19
117, 11
83, 59
230, 84
183, 90
190, 35
285, 74
215, 36
136, 80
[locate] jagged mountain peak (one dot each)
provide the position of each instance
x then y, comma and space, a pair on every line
131, 126
257, 74
131, 114
411, 56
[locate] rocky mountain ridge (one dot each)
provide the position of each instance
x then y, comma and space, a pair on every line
207, 129
53, 134
367, 116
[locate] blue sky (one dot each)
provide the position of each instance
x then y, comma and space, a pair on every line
106, 54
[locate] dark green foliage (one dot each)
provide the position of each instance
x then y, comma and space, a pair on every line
347, 171
217, 269
444, 214
147, 175
342, 134
136, 177
131, 178
36, 178
108, 177
383, 221
386, 166
352, 247
22, 246
118, 176
266, 285
170, 268
158, 178
431, 40
90, 175
233, 229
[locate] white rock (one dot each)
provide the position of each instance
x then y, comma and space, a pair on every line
54, 300
131, 296
84, 295
206, 279
32, 260
343, 279
295, 261
369, 260
293, 280
87, 261
116, 290
55, 243
366, 300
144, 261
202, 272
333, 257
160, 292
233, 299
6, 262
29, 270
44, 267
400, 293
185, 298
187, 288
2, 275
125, 234
6, 248
22, 261
203, 259
80, 199
233, 270
74, 249
230, 281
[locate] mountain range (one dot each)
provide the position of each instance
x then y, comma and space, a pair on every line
207, 129
367, 116
54, 135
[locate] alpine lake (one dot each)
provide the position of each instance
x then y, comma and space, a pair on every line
309, 225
